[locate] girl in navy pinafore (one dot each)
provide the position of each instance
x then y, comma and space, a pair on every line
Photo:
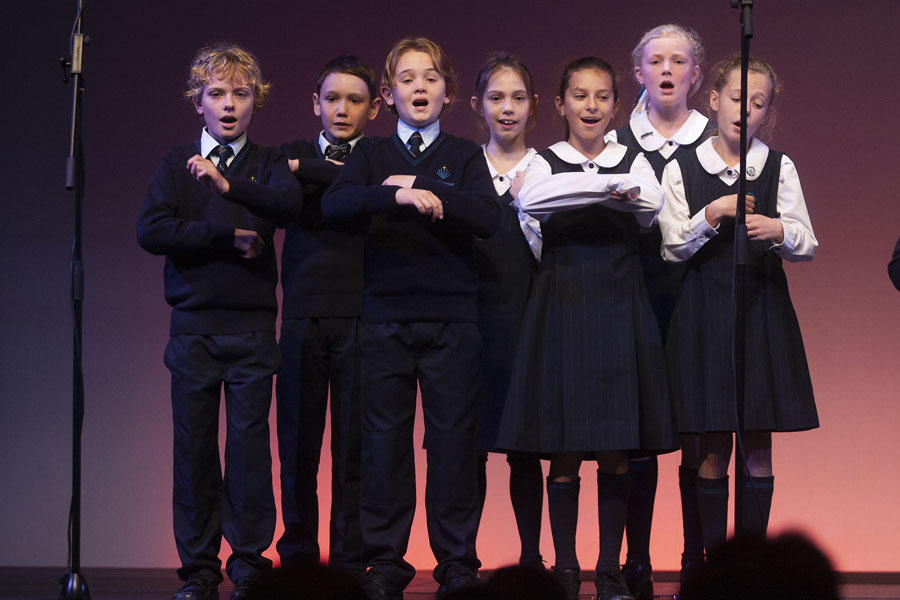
697, 224
589, 375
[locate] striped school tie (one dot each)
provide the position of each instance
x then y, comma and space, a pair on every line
415, 144
224, 153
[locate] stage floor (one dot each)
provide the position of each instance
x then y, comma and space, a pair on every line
41, 583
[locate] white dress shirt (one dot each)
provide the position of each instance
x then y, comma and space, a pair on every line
208, 143
429, 133
683, 234
324, 143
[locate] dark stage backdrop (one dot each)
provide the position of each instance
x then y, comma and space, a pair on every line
837, 119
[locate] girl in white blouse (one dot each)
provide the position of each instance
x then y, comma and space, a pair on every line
667, 63
697, 223
505, 106
589, 375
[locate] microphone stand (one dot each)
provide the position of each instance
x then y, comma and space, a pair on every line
74, 585
740, 272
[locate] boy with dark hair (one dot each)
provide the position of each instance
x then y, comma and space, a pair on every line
425, 195
322, 279
210, 210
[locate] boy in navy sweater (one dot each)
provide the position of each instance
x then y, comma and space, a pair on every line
212, 210
322, 279
425, 195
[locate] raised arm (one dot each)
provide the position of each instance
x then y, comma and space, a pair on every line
277, 198
544, 193
161, 231
353, 195
473, 205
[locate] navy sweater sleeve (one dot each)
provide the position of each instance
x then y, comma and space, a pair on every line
162, 228
278, 199
165, 228
313, 169
354, 193
894, 266
472, 205
475, 206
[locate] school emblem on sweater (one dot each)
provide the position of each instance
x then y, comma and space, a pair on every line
443, 173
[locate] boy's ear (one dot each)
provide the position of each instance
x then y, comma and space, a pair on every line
696, 74
388, 97
474, 102
198, 107
714, 100
316, 108
373, 108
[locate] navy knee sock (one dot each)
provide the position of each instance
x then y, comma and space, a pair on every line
644, 474
690, 516
612, 503
526, 492
562, 502
712, 500
756, 514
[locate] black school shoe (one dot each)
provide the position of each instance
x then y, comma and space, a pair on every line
375, 586
197, 588
458, 578
691, 570
242, 588
571, 581
611, 586
637, 576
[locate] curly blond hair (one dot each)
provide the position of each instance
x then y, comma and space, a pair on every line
228, 62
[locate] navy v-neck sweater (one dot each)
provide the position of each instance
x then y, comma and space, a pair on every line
211, 289
417, 270
321, 263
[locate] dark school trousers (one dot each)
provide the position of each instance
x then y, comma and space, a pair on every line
443, 358
206, 506
319, 353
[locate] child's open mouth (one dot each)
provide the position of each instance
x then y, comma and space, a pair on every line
228, 119
590, 120
420, 102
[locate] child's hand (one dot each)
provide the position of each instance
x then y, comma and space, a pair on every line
424, 201
761, 227
725, 207
404, 181
515, 184
203, 170
337, 162
293, 164
248, 242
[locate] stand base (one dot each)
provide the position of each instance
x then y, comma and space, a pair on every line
75, 587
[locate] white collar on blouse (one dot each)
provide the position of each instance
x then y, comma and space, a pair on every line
652, 140
610, 157
501, 180
714, 165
